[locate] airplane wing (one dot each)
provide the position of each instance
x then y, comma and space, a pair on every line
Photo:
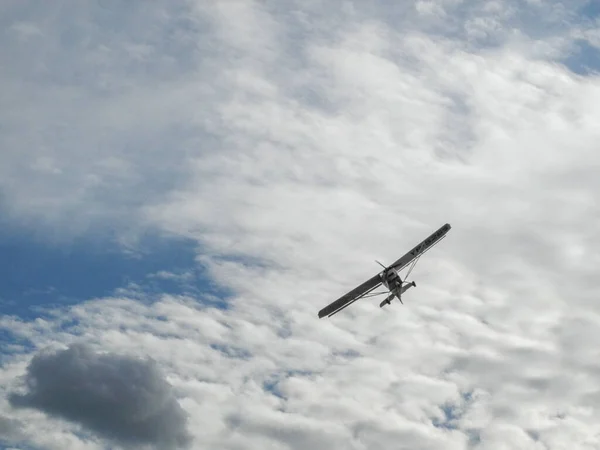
369, 285
350, 297
421, 248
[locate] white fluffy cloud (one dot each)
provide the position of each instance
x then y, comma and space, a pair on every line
296, 144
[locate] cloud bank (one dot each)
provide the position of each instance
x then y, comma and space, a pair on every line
294, 145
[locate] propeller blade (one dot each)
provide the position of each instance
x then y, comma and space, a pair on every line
380, 264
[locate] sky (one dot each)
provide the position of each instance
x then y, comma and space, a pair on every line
185, 184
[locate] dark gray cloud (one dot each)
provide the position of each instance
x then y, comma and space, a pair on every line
117, 397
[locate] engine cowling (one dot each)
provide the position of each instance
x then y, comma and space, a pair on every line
390, 278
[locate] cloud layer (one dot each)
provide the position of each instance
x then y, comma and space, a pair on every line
294, 145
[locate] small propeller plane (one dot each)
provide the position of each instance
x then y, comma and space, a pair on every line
389, 277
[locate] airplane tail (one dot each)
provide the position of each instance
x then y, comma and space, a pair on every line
388, 300
406, 287
397, 293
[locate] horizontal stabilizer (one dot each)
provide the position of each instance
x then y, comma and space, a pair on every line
387, 301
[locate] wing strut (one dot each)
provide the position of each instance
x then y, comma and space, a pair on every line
412, 266
349, 298
356, 299
414, 262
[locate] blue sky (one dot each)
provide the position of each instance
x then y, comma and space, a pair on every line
42, 273
189, 182
41, 276
585, 57
591, 10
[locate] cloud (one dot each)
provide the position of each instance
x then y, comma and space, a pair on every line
295, 146
118, 397
10, 430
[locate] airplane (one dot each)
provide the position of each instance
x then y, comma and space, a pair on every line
389, 277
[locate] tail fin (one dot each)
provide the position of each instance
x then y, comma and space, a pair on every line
387, 301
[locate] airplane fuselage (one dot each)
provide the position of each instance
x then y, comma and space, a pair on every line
392, 281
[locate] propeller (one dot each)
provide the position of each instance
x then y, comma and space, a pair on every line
380, 264
385, 271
